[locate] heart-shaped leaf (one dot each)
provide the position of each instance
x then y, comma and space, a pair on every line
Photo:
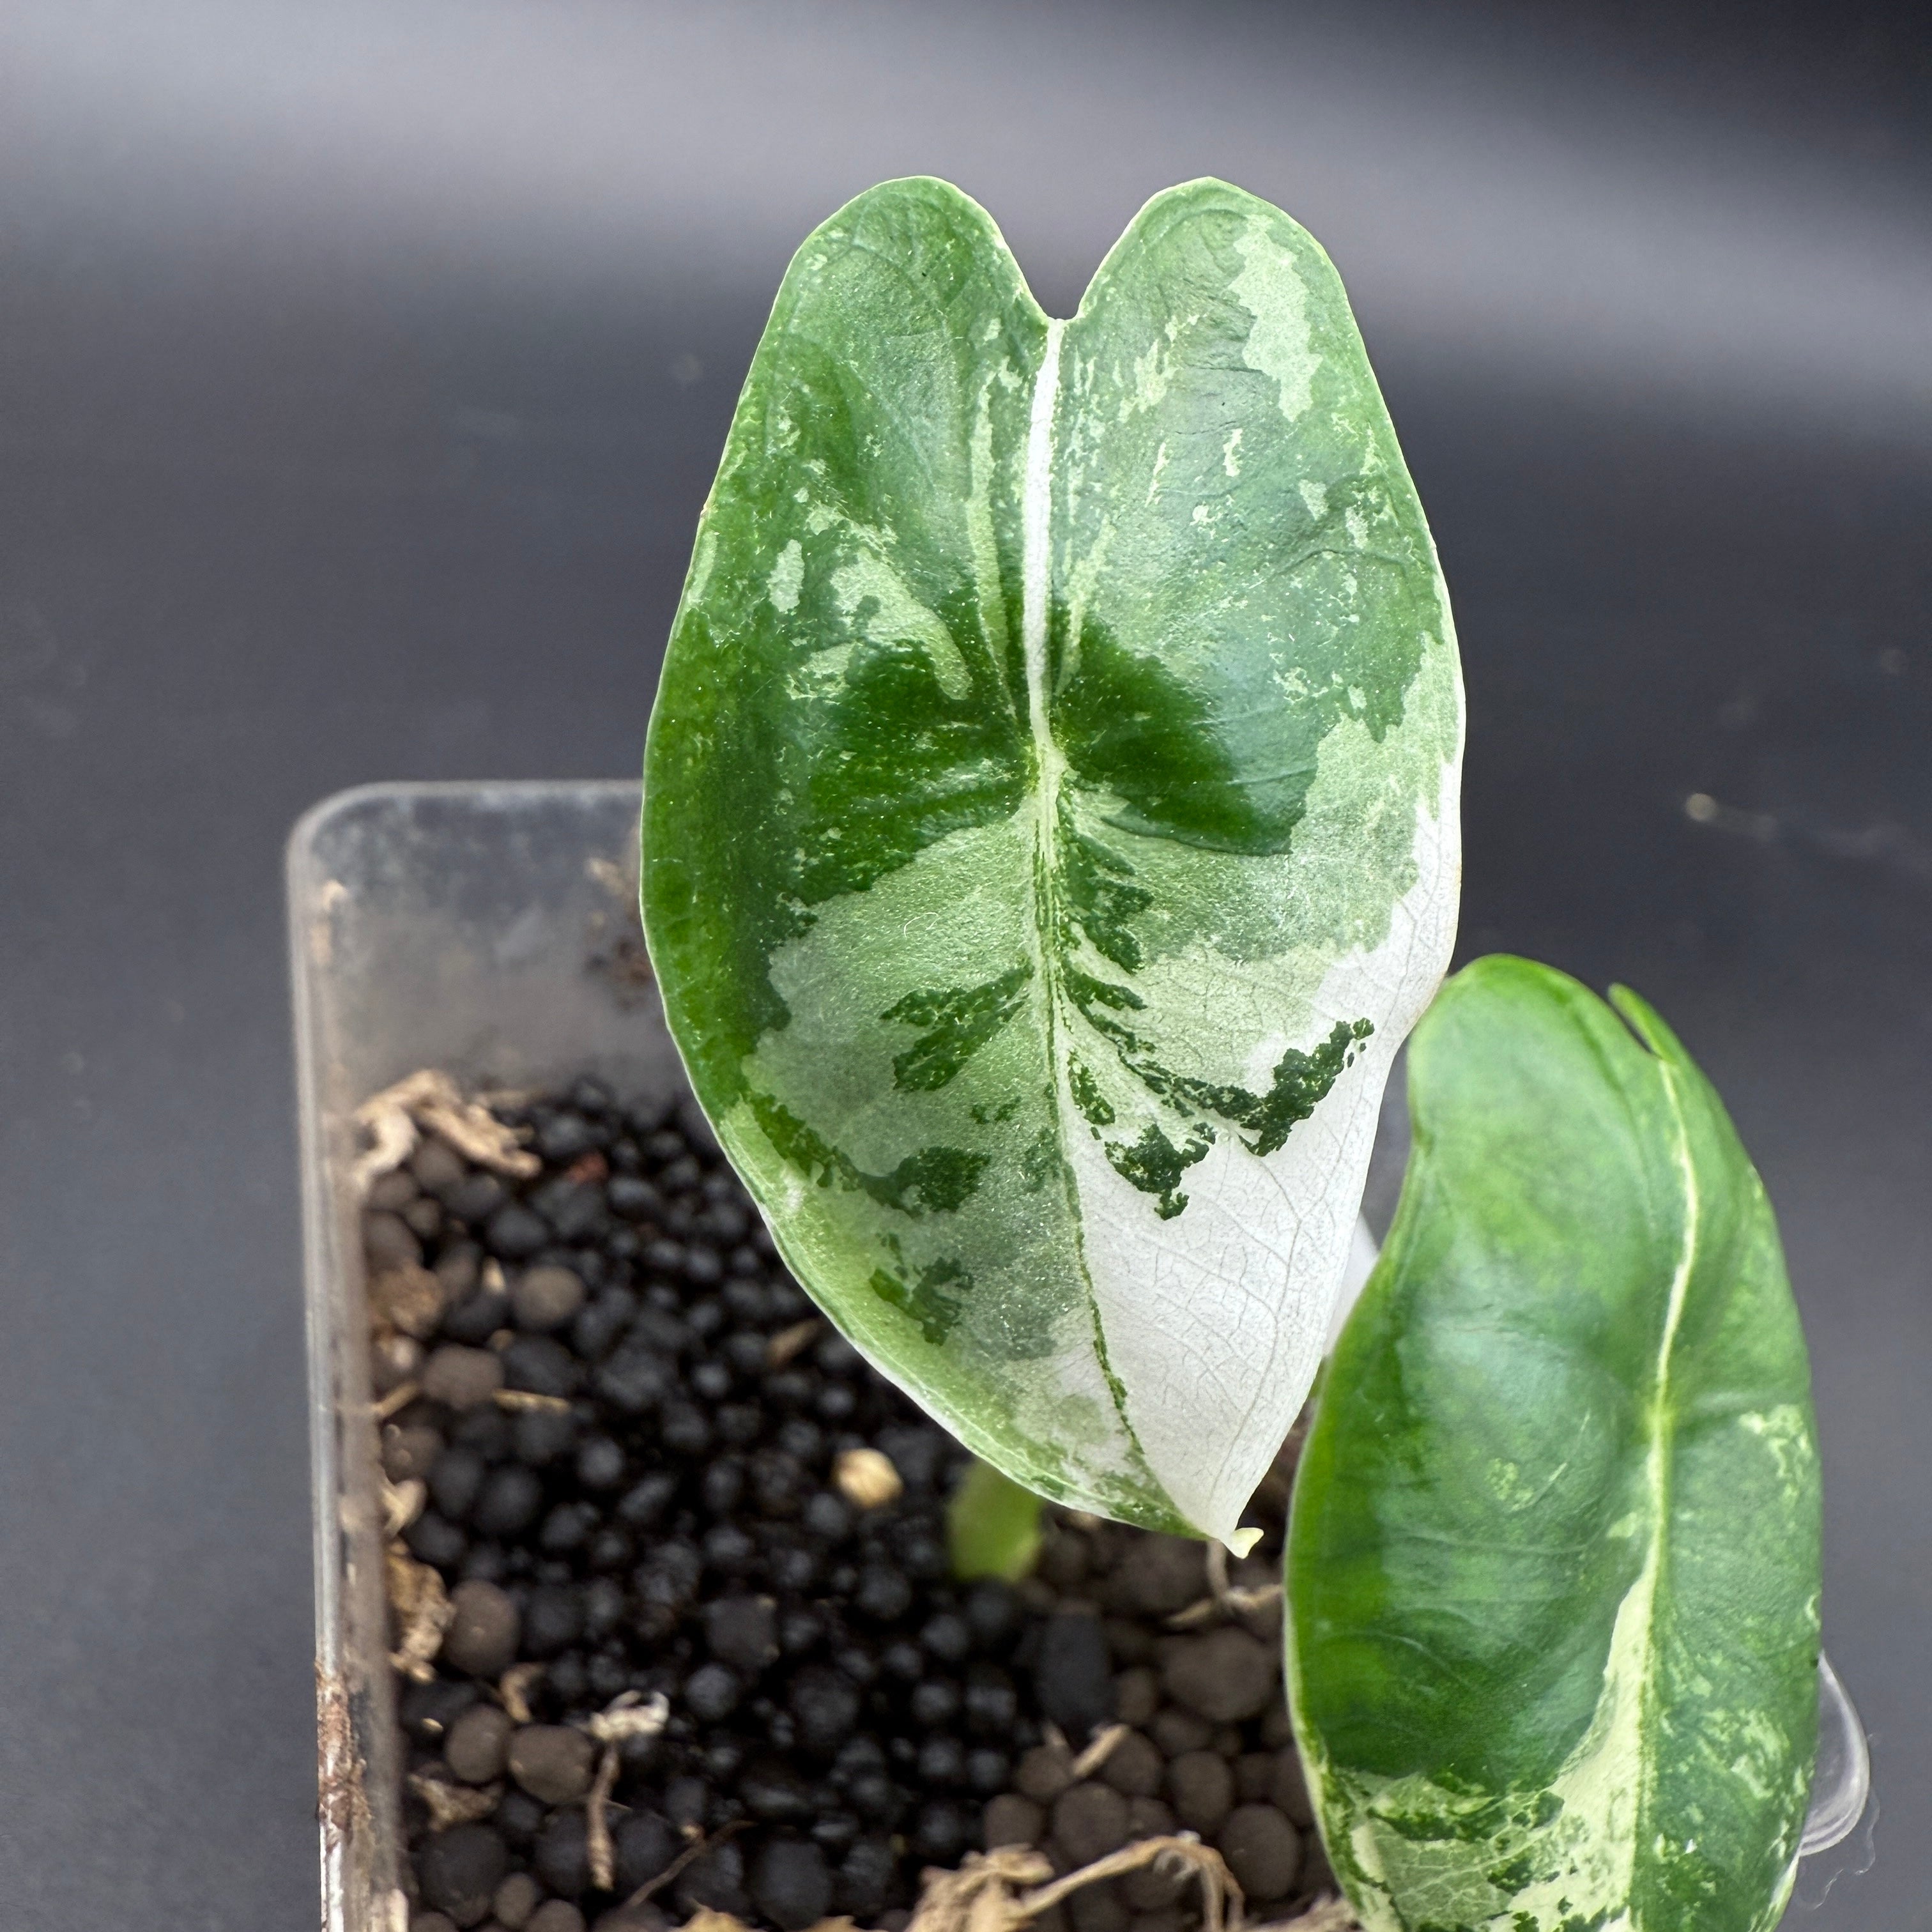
1553, 1563
1051, 823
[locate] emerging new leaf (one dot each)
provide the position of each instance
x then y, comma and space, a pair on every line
1051, 824
1553, 1563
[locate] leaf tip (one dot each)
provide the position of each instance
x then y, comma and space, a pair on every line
1643, 1019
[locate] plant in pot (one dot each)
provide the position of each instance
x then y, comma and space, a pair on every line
1049, 838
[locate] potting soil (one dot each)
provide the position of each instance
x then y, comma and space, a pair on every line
692, 1642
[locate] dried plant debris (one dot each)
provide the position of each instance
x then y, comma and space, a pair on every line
630, 1716
1006, 1891
430, 1101
676, 1636
866, 1478
402, 1503
600, 1855
1097, 1753
449, 1803
513, 1693
407, 1300
788, 1343
422, 1612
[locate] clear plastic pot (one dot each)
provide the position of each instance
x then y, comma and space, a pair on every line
490, 931
478, 929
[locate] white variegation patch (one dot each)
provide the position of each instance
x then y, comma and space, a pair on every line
787, 578
1270, 286
1215, 1323
874, 600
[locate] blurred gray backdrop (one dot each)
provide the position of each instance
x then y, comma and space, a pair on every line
362, 368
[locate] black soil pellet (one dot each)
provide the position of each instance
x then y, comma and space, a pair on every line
459, 1870
481, 1639
629, 1437
1076, 1674
791, 1883
477, 1743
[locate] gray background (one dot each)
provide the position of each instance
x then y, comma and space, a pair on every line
362, 367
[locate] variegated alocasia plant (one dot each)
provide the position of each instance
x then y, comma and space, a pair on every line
1553, 1561
1051, 824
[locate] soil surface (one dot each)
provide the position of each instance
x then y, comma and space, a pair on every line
674, 1628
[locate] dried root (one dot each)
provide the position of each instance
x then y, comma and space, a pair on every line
1220, 1894
398, 1400
597, 1823
402, 1504
422, 1610
1005, 1890
630, 1715
1232, 1602
719, 1921
985, 1895
515, 1399
1099, 1751
1223, 1598
1325, 1915
787, 1343
453, 1803
513, 1690
430, 1101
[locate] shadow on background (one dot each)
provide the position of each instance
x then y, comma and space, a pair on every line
361, 372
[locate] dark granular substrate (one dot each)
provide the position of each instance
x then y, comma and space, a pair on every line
629, 1437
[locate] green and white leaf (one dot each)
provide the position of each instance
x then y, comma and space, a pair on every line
1553, 1561
1051, 823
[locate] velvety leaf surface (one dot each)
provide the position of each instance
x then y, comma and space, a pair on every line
1051, 823
1553, 1563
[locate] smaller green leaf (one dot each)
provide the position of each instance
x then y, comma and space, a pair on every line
992, 1526
1553, 1559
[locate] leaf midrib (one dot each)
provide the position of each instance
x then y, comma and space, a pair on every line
1049, 771
1658, 1466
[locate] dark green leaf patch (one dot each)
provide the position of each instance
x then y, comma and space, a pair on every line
1154, 1165
934, 1180
892, 765
1301, 1081
925, 1295
956, 1023
1136, 731
1041, 1161
1096, 897
1093, 1104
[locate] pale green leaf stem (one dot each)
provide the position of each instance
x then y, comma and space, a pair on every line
1553, 1561
992, 1526
1051, 823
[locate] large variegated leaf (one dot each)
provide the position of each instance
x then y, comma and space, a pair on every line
1051, 823
1553, 1565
